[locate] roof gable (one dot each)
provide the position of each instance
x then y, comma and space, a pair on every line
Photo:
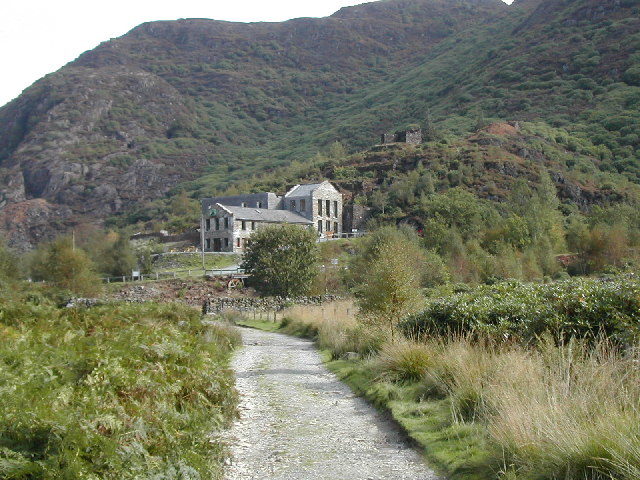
305, 190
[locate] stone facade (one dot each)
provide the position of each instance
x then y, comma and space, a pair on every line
228, 222
321, 203
412, 136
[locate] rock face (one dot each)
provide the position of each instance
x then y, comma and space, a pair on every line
71, 154
128, 121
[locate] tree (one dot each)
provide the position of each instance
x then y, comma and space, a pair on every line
387, 277
119, 258
8, 263
66, 267
282, 260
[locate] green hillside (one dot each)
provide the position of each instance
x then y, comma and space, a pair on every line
212, 104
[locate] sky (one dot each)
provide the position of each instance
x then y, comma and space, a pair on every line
40, 36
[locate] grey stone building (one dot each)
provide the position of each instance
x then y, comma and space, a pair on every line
412, 136
228, 222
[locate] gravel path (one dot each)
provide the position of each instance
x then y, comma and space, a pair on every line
299, 422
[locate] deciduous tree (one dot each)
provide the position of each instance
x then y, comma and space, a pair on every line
282, 260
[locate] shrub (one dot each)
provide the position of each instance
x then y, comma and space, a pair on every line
578, 308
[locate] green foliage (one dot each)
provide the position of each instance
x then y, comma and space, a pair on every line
113, 392
282, 260
387, 276
8, 263
118, 258
585, 308
66, 267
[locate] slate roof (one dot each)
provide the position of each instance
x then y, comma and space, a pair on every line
264, 215
303, 190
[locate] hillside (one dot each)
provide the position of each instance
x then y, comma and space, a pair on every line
213, 103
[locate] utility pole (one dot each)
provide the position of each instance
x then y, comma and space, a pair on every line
202, 242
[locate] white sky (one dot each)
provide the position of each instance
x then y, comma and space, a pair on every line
40, 36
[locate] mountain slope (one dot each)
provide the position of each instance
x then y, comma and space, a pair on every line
216, 102
131, 119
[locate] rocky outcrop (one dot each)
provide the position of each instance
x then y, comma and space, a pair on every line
71, 154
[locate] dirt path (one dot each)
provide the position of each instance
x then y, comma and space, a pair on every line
299, 422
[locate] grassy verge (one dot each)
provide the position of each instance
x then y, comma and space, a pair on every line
266, 326
453, 449
113, 392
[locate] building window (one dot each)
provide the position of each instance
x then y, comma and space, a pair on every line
253, 225
244, 225
226, 222
335, 208
259, 205
208, 224
303, 205
217, 223
320, 226
328, 226
320, 208
226, 242
238, 242
328, 212
335, 227
292, 205
208, 244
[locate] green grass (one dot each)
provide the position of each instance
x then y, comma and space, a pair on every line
174, 263
453, 449
265, 325
113, 392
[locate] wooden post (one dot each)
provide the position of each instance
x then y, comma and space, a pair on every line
157, 276
124, 279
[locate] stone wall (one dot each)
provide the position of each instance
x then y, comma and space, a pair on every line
354, 217
250, 304
411, 136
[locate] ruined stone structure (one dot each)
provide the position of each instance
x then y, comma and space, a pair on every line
355, 217
228, 222
412, 136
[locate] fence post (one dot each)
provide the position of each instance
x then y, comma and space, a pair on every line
157, 276
124, 279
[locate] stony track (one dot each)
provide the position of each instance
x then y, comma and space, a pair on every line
299, 422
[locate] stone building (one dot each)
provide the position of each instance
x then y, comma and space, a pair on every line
412, 136
228, 222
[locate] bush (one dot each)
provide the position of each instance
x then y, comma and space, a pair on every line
578, 308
